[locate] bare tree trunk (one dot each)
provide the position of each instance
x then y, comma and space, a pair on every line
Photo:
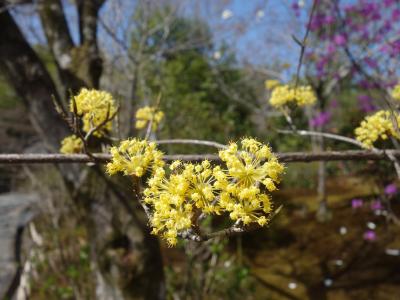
323, 213
126, 258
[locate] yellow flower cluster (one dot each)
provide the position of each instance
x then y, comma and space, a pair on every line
284, 94
396, 92
378, 125
252, 171
93, 106
271, 84
71, 144
148, 114
173, 198
240, 189
135, 157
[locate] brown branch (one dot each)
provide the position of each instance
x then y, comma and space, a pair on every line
323, 134
192, 142
288, 157
303, 43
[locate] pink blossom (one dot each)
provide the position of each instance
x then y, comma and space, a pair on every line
321, 119
357, 203
340, 39
369, 235
388, 2
376, 205
396, 15
365, 103
391, 189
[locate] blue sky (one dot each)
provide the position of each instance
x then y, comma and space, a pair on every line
259, 31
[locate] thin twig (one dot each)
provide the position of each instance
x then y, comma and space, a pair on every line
303, 43
323, 134
234, 229
193, 142
150, 125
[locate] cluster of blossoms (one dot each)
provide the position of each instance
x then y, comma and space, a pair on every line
396, 92
94, 106
174, 198
71, 144
148, 114
284, 94
378, 125
251, 171
177, 196
134, 157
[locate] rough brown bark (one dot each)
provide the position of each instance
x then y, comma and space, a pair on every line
31, 81
78, 65
88, 16
131, 269
60, 43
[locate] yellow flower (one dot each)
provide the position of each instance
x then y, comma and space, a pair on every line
171, 210
93, 106
135, 157
71, 144
240, 189
270, 84
248, 170
148, 114
376, 126
396, 92
284, 94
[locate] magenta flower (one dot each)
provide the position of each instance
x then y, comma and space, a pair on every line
388, 2
376, 205
369, 235
396, 15
340, 39
334, 103
391, 189
331, 49
357, 203
321, 119
365, 103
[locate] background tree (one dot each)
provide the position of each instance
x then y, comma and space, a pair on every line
79, 65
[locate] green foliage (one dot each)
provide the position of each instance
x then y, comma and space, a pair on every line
194, 88
8, 98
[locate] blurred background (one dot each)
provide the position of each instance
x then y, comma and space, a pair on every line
70, 232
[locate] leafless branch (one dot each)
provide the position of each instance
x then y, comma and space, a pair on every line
193, 142
323, 134
303, 43
236, 228
288, 157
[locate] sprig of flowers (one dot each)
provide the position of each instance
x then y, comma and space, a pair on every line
376, 126
284, 94
134, 157
71, 144
148, 114
240, 190
251, 172
396, 92
94, 107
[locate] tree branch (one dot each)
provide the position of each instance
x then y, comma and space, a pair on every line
288, 157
